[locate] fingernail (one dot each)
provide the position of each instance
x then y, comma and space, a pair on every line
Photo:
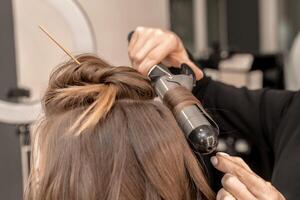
214, 160
228, 198
223, 154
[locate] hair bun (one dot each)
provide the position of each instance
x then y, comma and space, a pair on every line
93, 84
93, 70
130, 83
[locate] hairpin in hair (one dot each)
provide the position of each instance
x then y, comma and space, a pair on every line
59, 45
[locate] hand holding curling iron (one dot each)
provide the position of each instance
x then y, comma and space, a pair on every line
149, 46
240, 182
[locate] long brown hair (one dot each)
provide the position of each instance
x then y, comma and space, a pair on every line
104, 137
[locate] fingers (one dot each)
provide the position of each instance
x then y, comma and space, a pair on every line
236, 159
153, 57
150, 46
236, 188
143, 40
237, 168
141, 53
146, 40
224, 195
254, 183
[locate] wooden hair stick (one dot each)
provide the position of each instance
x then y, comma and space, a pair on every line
59, 45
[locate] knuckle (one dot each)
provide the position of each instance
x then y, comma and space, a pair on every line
158, 32
269, 183
236, 158
129, 52
272, 195
150, 30
172, 37
131, 55
152, 57
139, 28
138, 57
134, 56
240, 160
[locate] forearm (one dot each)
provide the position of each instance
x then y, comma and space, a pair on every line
254, 113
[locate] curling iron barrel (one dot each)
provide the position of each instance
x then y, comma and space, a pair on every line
192, 119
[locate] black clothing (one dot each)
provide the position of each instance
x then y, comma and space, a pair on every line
269, 118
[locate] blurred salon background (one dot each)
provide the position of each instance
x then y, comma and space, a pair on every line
251, 43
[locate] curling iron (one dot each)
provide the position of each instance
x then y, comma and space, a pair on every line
199, 128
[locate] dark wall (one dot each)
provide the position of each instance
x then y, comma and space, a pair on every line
293, 16
182, 21
243, 25
10, 161
213, 24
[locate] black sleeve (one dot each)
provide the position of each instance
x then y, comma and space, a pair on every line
254, 113
270, 118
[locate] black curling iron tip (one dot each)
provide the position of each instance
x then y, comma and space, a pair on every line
204, 139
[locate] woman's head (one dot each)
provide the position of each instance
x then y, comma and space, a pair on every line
104, 137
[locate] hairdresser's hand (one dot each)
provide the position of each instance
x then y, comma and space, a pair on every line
150, 46
240, 182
